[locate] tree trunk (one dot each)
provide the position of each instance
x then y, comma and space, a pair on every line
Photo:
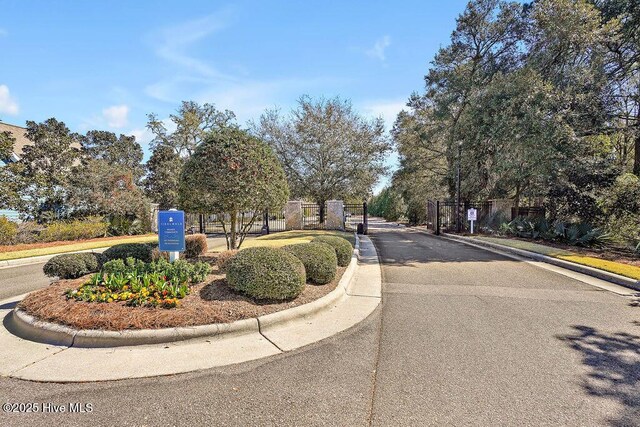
233, 237
321, 204
636, 155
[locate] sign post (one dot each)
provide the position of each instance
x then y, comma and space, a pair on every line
472, 215
171, 232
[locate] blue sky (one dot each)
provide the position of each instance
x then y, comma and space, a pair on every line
107, 64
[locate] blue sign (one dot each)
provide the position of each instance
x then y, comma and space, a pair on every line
171, 231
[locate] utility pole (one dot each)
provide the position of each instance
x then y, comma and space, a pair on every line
458, 222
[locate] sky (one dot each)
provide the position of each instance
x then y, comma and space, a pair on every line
107, 64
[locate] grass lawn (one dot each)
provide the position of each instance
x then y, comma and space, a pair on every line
63, 247
277, 240
622, 269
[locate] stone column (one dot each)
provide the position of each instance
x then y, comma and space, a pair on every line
335, 215
293, 215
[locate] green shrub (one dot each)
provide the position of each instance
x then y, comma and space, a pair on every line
342, 247
195, 245
266, 273
224, 258
28, 232
319, 259
625, 230
141, 251
122, 226
73, 230
8, 231
71, 266
178, 271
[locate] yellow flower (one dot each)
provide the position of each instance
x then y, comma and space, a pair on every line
109, 300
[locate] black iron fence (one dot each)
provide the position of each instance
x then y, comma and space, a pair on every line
354, 214
256, 222
313, 218
442, 215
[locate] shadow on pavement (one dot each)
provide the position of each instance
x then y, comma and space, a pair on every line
613, 361
9, 305
407, 247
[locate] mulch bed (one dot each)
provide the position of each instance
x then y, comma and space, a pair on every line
209, 302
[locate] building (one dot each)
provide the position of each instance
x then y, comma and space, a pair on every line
20, 141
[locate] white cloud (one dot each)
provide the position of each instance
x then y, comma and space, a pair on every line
172, 43
388, 110
377, 51
116, 116
8, 105
143, 135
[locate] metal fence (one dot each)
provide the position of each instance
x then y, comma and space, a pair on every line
313, 216
257, 222
354, 214
442, 215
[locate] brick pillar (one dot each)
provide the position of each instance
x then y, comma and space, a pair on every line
335, 215
293, 215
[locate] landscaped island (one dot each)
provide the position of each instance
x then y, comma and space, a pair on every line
133, 286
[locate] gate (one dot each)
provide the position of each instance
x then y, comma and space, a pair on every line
442, 215
354, 214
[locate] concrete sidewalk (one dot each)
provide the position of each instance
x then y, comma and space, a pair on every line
297, 327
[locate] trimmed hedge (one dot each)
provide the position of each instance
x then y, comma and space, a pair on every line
342, 247
141, 251
195, 245
319, 259
72, 266
265, 273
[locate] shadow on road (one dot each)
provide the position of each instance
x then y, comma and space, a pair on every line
9, 305
613, 363
407, 247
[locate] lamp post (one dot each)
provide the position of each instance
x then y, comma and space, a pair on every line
458, 222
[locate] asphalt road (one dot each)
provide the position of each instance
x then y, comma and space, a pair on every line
463, 337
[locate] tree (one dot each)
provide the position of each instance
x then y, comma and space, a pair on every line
192, 123
229, 173
6, 145
98, 187
122, 151
163, 177
388, 205
42, 173
327, 150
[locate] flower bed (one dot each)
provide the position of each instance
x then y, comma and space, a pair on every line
156, 284
209, 301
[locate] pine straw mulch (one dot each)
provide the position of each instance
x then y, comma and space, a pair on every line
209, 302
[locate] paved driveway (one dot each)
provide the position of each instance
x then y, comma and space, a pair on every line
464, 337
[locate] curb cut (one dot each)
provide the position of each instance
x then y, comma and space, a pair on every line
30, 328
589, 271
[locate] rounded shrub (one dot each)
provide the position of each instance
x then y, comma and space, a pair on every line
342, 247
141, 251
72, 266
319, 259
266, 273
225, 258
195, 245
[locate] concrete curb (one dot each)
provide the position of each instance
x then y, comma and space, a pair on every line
43, 258
30, 328
589, 271
28, 360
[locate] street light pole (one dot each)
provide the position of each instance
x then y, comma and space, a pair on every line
458, 222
